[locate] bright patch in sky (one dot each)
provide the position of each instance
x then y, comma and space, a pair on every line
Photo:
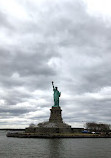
96, 7
13, 8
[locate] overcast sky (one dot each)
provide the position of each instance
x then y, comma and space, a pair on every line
65, 41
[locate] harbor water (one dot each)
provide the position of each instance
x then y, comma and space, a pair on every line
54, 148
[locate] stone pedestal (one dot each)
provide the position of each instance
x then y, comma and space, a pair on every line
55, 115
54, 125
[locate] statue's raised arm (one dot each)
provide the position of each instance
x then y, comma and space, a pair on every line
53, 85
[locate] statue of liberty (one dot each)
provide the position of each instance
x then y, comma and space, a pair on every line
56, 94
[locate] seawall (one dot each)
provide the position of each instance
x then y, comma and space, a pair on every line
38, 135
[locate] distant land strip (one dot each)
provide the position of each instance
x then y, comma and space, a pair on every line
12, 129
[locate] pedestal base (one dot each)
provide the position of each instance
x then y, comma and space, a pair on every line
55, 115
54, 125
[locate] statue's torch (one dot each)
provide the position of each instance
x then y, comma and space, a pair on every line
53, 84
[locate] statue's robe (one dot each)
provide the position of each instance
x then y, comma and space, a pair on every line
56, 97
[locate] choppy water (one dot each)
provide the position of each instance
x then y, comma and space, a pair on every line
54, 148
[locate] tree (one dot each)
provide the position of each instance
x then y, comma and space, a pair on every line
97, 127
32, 125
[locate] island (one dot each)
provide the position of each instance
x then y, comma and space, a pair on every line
55, 127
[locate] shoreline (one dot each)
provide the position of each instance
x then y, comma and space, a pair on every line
38, 135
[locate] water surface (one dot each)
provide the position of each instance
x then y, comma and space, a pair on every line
54, 148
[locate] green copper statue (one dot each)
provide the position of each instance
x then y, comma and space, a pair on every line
57, 94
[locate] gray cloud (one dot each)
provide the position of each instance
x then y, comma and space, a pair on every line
3, 20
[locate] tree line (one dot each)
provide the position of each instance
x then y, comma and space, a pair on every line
97, 127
